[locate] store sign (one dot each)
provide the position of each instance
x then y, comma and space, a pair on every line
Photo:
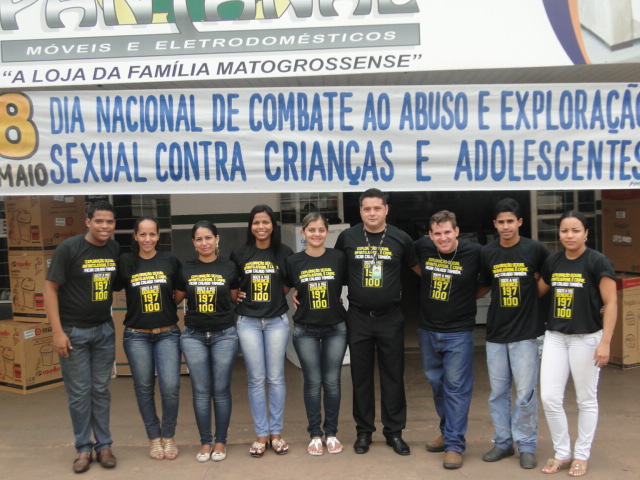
524, 137
73, 42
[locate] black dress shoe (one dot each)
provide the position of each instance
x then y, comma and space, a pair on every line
399, 445
362, 443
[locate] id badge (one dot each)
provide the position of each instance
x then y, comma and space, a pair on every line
376, 271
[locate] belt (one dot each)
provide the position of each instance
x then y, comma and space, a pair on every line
376, 313
154, 331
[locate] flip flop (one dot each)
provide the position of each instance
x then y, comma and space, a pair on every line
315, 447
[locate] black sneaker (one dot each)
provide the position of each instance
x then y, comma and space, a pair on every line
528, 460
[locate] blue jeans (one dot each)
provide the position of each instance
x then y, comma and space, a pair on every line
87, 373
447, 359
147, 353
514, 363
264, 342
321, 351
210, 357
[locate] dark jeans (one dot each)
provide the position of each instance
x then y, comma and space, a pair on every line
321, 352
148, 353
210, 357
87, 374
382, 335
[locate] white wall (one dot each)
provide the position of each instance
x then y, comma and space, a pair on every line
221, 203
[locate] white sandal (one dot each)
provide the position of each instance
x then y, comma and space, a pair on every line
315, 447
334, 445
218, 456
204, 456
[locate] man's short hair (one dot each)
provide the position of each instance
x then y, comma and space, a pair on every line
99, 205
373, 193
443, 216
507, 205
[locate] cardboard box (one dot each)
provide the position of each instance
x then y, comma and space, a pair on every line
119, 310
621, 229
27, 273
625, 351
28, 362
43, 222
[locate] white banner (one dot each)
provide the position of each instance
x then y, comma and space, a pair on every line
73, 42
498, 137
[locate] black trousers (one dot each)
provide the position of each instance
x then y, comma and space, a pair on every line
382, 335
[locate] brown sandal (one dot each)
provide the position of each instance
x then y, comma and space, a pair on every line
578, 468
554, 465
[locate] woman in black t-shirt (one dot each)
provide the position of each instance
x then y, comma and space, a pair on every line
263, 326
319, 332
151, 336
580, 325
209, 340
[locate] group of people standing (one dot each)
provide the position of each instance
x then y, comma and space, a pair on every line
240, 304
530, 337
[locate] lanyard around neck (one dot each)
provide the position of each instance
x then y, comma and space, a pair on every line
366, 237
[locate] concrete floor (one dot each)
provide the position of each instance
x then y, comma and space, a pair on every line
36, 439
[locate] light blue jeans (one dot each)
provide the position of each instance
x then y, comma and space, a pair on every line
263, 342
516, 363
210, 357
87, 373
148, 353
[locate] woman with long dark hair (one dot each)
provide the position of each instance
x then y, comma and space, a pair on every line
580, 324
209, 340
263, 326
151, 335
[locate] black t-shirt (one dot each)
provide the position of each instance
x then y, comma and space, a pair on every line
374, 283
318, 281
208, 287
576, 301
514, 313
262, 278
149, 290
86, 274
449, 282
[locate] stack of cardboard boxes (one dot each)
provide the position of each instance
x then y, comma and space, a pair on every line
36, 226
621, 243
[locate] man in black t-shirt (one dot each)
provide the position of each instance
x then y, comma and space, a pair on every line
77, 296
376, 253
450, 270
510, 267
